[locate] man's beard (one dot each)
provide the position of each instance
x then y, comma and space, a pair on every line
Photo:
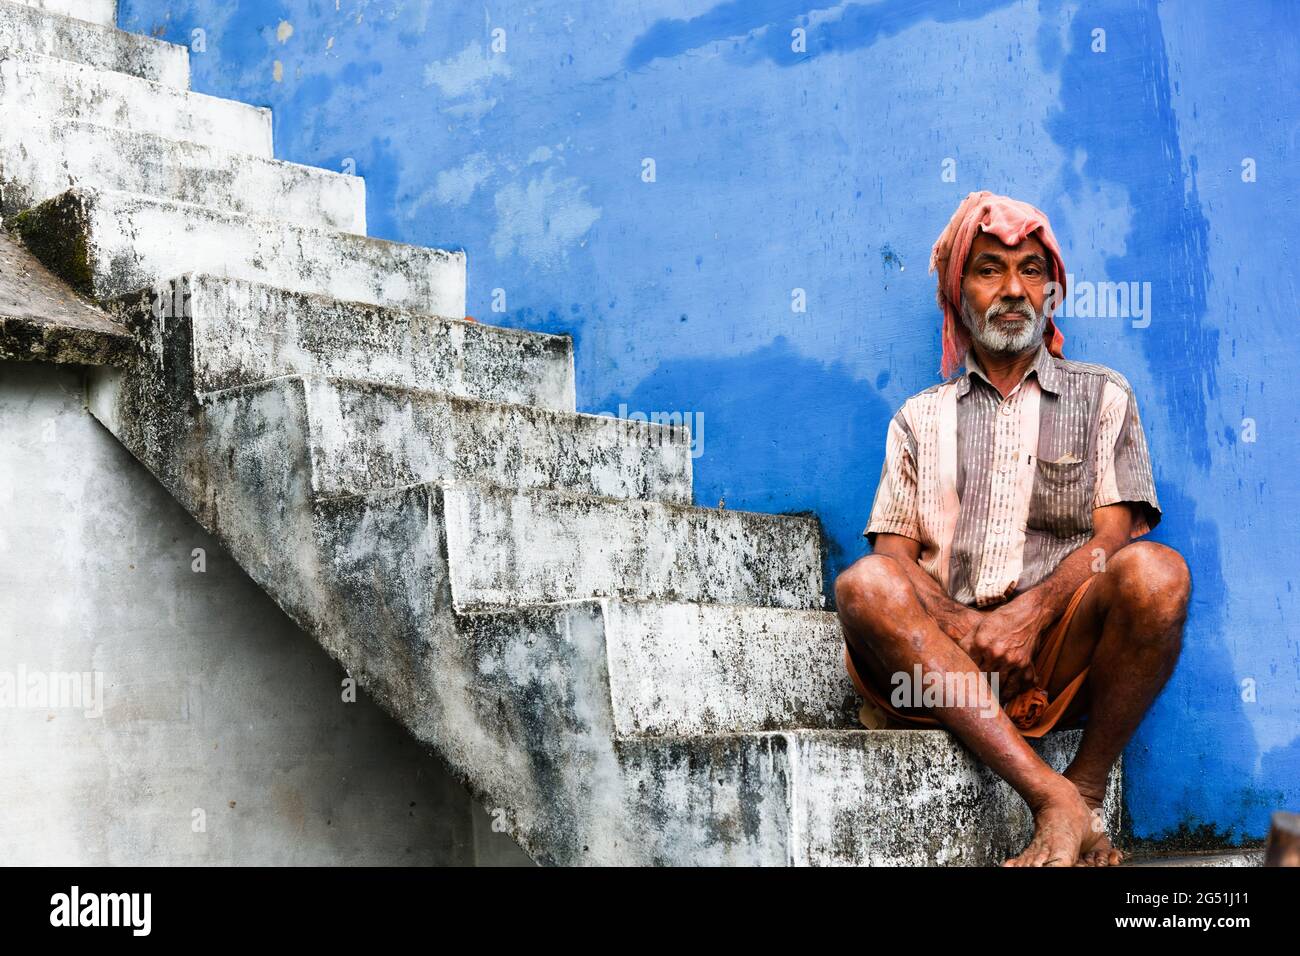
1002, 336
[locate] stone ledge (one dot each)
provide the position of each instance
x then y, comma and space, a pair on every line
43, 320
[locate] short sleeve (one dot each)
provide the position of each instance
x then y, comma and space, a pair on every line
894, 508
1122, 459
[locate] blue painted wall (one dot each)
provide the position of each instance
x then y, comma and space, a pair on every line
822, 170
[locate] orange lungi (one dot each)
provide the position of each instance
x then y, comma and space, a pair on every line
1031, 711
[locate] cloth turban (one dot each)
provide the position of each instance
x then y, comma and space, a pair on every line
1011, 221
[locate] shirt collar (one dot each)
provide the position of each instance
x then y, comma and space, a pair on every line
1044, 366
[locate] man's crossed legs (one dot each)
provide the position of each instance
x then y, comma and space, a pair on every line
1128, 626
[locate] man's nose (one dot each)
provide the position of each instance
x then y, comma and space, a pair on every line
1012, 286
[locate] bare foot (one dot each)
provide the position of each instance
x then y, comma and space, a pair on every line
1063, 831
1103, 852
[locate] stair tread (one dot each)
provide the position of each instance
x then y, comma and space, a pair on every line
560, 494
41, 320
834, 797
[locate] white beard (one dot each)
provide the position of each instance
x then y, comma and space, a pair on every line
1005, 337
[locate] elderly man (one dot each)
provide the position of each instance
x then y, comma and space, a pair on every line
1001, 535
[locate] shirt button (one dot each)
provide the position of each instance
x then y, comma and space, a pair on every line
1006, 409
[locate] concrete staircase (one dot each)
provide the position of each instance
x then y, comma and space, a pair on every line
619, 676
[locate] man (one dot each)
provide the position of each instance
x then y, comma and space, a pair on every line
1001, 535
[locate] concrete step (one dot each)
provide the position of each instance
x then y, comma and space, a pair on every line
680, 670
365, 438
27, 28
106, 244
102, 12
221, 333
53, 157
200, 335
508, 548
41, 321
49, 89
829, 798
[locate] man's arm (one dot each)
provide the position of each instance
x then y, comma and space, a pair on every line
894, 529
953, 618
1112, 529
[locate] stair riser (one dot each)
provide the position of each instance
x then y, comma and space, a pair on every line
686, 555
508, 550
682, 669
914, 798
27, 29
229, 334
44, 162
114, 243
367, 439
49, 89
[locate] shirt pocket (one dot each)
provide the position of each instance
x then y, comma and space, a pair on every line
1061, 503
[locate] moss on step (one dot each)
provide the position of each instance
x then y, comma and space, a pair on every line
55, 233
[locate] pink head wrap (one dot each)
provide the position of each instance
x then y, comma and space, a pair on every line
1011, 221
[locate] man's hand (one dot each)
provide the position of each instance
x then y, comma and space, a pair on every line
958, 622
1004, 640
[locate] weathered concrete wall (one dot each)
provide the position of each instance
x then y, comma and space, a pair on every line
211, 699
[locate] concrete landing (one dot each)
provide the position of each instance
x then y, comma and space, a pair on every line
42, 320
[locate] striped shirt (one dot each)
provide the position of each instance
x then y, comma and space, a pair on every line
999, 491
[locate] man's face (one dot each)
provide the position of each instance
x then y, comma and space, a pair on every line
1003, 290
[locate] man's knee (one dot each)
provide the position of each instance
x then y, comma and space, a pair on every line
1152, 579
870, 583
